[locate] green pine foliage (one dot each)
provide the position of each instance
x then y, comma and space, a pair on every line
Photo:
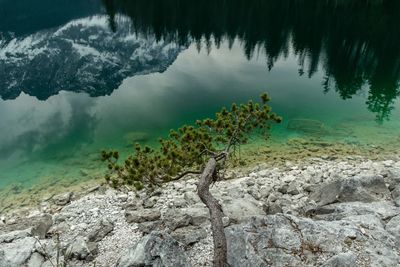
187, 149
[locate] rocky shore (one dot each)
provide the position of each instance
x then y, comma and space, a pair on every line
320, 213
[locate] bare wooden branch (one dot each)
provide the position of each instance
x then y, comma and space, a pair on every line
184, 174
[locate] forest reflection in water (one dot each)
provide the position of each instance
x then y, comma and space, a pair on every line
357, 43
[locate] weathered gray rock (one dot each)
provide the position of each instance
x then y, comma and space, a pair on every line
365, 189
179, 202
93, 248
264, 191
148, 227
286, 240
63, 199
42, 226
293, 188
239, 210
189, 235
18, 252
254, 193
175, 219
309, 188
283, 189
348, 259
157, 249
79, 250
393, 227
35, 260
101, 229
394, 178
272, 208
226, 221
139, 216
382, 209
397, 202
14, 235
199, 215
256, 245
396, 192
149, 203
191, 197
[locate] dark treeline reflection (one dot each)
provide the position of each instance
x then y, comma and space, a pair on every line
357, 42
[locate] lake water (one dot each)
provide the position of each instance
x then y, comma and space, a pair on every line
80, 76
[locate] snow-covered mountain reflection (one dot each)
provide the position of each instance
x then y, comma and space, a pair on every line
82, 56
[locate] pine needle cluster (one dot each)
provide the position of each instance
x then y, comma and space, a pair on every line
187, 149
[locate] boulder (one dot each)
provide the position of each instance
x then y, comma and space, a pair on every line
283, 189
293, 188
394, 178
365, 189
100, 230
189, 235
79, 250
175, 219
337, 211
397, 202
144, 215
63, 199
272, 208
18, 252
148, 227
35, 260
156, 249
239, 210
396, 192
199, 214
252, 244
348, 259
149, 202
286, 240
42, 226
191, 198
14, 235
393, 227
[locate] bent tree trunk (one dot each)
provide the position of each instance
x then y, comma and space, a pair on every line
217, 227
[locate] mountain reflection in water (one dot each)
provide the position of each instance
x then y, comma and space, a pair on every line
355, 42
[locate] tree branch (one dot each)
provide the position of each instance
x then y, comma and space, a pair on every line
184, 174
216, 214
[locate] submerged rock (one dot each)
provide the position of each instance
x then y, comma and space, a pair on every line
133, 137
307, 126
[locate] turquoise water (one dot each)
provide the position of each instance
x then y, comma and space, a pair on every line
106, 75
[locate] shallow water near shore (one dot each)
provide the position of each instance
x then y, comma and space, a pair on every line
127, 85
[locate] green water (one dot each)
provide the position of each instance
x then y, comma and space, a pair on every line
103, 75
